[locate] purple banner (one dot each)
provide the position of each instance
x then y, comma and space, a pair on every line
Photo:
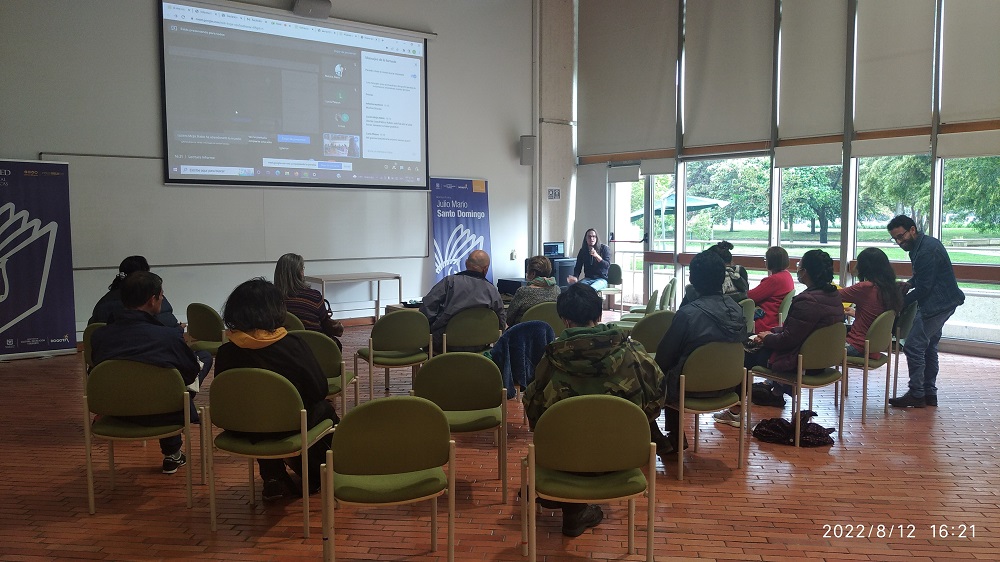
460, 215
36, 262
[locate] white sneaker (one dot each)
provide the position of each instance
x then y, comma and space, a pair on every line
727, 417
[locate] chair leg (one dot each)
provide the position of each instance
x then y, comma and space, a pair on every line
680, 432
651, 502
530, 506
888, 372
253, 483
434, 524
208, 448
524, 507
743, 420
87, 444
631, 525
697, 430
387, 381
864, 392
452, 477
811, 399
190, 451
796, 408
304, 457
111, 463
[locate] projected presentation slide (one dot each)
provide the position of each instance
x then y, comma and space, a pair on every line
264, 98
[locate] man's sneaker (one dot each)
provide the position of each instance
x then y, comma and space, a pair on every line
727, 417
909, 401
172, 462
278, 488
931, 399
574, 525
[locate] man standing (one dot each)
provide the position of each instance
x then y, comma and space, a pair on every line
934, 288
136, 335
590, 358
455, 293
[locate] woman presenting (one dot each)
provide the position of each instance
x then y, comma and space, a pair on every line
593, 260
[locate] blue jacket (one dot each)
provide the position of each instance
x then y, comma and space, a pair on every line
138, 336
933, 283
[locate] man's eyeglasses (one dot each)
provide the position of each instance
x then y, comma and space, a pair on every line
899, 237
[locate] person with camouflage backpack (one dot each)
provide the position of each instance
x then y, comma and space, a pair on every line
591, 358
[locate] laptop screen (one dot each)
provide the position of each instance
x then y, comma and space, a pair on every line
553, 249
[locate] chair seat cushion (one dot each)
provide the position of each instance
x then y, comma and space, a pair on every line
825, 377
283, 444
473, 420
109, 426
389, 488
872, 363
710, 404
210, 346
594, 488
632, 317
393, 358
334, 384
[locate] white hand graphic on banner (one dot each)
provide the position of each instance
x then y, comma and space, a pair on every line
460, 244
20, 239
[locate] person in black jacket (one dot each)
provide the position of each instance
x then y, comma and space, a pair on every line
135, 334
255, 315
111, 302
594, 260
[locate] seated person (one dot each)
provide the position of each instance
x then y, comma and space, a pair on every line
540, 288
111, 302
135, 334
462, 290
817, 307
593, 260
255, 315
712, 317
736, 283
590, 358
303, 301
875, 292
767, 295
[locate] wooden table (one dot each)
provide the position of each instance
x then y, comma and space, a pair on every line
373, 276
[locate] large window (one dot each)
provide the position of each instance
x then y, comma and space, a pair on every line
810, 209
890, 186
728, 200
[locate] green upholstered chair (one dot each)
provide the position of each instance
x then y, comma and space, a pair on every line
748, 309
596, 433
715, 366
472, 328
292, 322
399, 339
248, 401
668, 295
637, 312
899, 335
390, 452
877, 340
823, 350
786, 303
614, 284
469, 388
546, 312
205, 327
126, 388
332, 362
650, 330
88, 349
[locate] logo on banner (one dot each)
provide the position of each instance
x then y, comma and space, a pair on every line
27, 246
460, 243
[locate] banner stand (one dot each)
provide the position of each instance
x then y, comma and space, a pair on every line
460, 219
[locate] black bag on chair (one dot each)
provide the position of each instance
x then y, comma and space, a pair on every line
332, 328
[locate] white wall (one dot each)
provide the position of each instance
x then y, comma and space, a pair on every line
84, 77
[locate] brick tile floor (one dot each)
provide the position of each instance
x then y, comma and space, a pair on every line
908, 471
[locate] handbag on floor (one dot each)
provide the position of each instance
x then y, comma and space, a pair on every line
781, 431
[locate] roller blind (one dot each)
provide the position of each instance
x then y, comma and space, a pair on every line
970, 61
626, 76
727, 74
895, 46
826, 154
813, 63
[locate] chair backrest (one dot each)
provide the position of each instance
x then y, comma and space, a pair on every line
714, 366
204, 323
592, 433
667, 296
906, 320
325, 349
88, 350
390, 436
651, 305
748, 310
473, 327
128, 388
786, 303
460, 381
292, 322
546, 312
254, 401
403, 330
879, 334
614, 274
825, 347
650, 329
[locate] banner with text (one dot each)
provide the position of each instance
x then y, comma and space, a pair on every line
37, 315
460, 215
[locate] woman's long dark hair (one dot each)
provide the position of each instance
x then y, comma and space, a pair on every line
597, 243
874, 266
254, 305
819, 265
128, 266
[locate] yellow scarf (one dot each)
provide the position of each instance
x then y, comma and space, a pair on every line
256, 339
